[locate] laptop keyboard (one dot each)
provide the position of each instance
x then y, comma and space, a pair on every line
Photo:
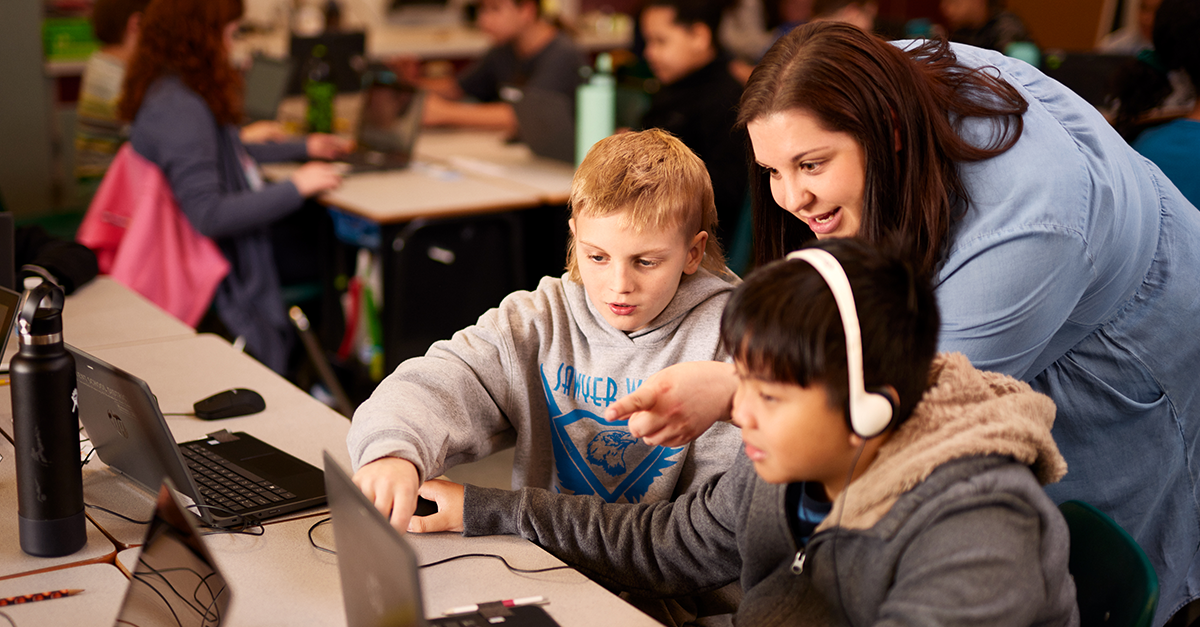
225, 484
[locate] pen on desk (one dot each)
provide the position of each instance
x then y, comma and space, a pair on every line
39, 596
468, 609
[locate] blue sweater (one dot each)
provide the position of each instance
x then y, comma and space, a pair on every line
202, 161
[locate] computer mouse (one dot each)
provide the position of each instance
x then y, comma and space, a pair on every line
425, 507
230, 404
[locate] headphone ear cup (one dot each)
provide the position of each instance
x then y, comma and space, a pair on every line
871, 414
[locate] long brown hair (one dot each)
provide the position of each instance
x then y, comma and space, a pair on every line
184, 37
856, 83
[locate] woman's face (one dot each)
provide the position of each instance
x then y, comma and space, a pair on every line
816, 175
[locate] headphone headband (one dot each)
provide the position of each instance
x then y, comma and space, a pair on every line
870, 414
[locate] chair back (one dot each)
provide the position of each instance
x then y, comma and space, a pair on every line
1114, 581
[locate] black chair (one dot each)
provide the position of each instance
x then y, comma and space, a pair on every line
1115, 583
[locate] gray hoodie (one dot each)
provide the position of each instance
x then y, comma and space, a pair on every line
948, 526
537, 372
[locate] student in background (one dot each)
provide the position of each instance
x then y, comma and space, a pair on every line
99, 130
932, 515
860, 13
644, 287
698, 98
184, 99
1173, 146
1135, 37
983, 24
528, 51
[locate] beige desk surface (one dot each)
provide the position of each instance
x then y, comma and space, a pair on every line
14, 561
280, 579
292, 421
423, 190
103, 588
486, 154
106, 313
426, 42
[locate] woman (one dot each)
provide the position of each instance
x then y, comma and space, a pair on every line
1059, 255
1175, 145
184, 99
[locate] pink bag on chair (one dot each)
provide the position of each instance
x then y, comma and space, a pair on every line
143, 240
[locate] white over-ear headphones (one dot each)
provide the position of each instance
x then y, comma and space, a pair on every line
870, 412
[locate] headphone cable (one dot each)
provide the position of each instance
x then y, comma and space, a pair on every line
837, 529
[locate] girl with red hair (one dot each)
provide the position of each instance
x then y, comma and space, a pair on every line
185, 100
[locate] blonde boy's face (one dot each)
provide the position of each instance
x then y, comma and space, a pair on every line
791, 433
631, 277
672, 50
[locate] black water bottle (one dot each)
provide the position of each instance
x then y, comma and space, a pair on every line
46, 429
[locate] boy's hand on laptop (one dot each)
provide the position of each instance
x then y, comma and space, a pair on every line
326, 146
449, 517
679, 403
315, 177
391, 484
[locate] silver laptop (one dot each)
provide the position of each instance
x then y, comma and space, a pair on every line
380, 581
230, 478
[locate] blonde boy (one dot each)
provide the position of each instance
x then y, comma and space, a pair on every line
645, 286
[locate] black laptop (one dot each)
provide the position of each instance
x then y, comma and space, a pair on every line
230, 478
388, 127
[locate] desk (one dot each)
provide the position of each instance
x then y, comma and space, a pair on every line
385, 41
446, 227
485, 154
276, 578
105, 313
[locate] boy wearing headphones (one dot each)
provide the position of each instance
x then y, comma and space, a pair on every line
880, 483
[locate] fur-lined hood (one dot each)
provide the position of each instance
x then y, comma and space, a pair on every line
965, 412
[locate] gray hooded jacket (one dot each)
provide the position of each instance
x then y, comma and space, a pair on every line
948, 526
538, 372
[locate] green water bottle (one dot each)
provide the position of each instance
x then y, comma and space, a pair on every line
319, 89
595, 107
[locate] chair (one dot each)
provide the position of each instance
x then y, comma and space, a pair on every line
1115, 583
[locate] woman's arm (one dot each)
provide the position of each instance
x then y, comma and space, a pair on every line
679, 403
175, 130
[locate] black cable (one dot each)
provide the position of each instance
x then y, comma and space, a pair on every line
190, 413
205, 611
499, 557
313, 541
247, 525
9, 619
118, 515
442, 561
87, 458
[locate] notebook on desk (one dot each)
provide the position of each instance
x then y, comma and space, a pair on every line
380, 581
232, 478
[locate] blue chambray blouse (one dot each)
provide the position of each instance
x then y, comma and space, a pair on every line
1077, 268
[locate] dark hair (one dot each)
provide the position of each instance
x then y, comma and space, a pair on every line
691, 12
109, 18
856, 83
1143, 84
183, 37
782, 324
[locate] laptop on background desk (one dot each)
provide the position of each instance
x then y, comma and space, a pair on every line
232, 478
388, 127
